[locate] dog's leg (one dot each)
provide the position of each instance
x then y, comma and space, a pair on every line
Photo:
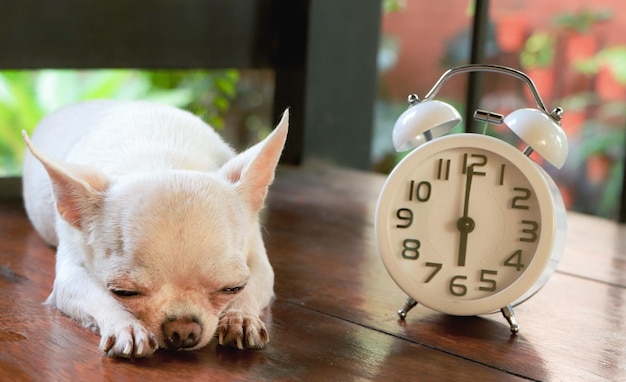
77, 294
240, 323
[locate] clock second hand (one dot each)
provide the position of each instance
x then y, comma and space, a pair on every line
465, 224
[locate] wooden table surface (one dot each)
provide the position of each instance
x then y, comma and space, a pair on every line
334, 318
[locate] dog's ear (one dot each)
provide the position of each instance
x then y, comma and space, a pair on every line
78, 190
253, 170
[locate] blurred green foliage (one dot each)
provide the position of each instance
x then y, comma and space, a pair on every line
27, 96
539, 51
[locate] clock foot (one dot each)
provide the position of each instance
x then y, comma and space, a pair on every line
509, 315
408, 305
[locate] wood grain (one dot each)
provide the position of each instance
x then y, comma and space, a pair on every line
334, 317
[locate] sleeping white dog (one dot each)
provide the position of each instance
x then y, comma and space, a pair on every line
155, 220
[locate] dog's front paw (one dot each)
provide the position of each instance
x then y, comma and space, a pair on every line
128, 340
239, 329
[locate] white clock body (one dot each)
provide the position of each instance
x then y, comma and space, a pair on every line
469, 246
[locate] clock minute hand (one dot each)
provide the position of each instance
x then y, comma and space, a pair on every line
468, 188
465, 224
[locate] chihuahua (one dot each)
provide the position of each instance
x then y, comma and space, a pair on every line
155, 220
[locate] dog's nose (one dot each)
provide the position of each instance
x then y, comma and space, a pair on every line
182, 332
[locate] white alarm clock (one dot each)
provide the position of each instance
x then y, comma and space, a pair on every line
467, 224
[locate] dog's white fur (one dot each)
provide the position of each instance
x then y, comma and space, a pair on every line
155, 220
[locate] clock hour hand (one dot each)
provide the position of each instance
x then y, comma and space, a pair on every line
465, 224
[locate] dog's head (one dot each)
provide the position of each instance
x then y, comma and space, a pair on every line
172, 246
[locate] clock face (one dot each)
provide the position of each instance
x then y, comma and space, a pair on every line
465, 224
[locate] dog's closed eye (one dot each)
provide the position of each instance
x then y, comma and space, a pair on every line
124, 293
233, 290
